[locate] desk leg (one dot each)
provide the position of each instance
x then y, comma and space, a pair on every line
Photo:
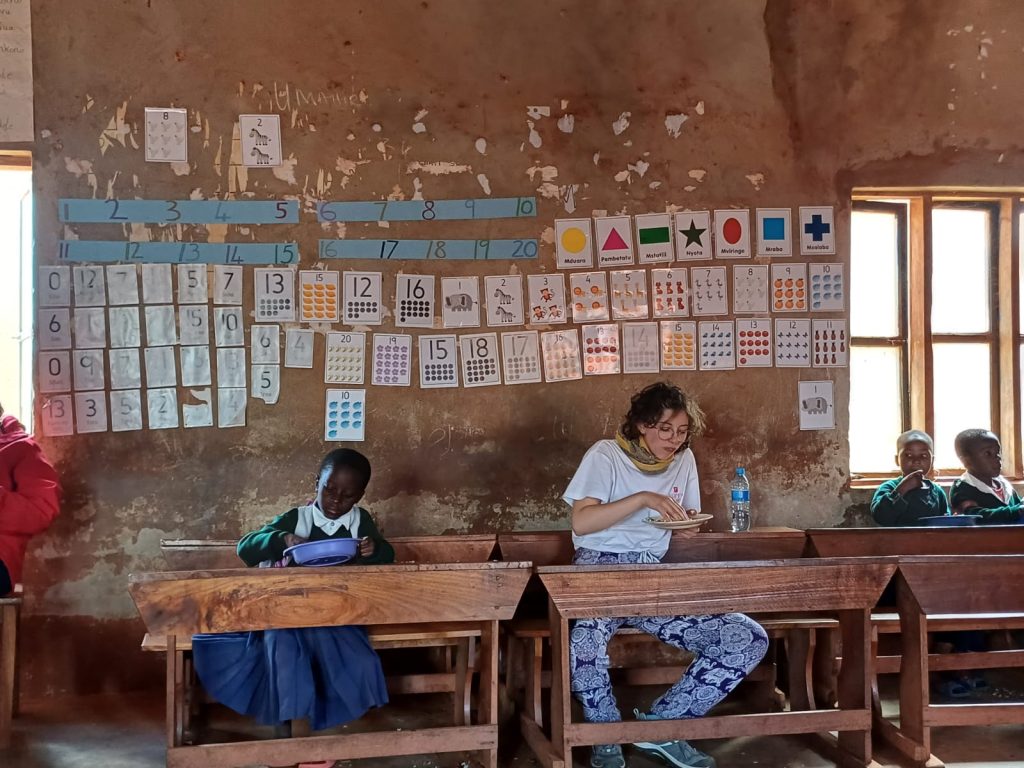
173, 693
825, 668
487, 706
8, 671
561, 704
800, 657
914, 693
460, 696
855, 683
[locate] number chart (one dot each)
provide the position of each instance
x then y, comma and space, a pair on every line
76, 210
420, 250
177, 253
428, 210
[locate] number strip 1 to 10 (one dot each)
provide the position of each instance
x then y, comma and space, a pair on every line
179, 211
428, 210
410, 250
178, 253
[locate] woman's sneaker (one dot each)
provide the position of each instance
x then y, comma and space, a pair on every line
678, 752
607, 756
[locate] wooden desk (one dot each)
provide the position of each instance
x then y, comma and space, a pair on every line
883, 542
844, 587
182, 604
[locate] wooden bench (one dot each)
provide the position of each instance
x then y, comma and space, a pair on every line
10, 615
477, 597
845, 588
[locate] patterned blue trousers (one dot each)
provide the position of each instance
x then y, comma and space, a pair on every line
726, 649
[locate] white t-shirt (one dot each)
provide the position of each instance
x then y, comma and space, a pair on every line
607, 474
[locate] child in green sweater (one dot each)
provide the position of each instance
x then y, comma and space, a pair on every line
982, 490
906, 499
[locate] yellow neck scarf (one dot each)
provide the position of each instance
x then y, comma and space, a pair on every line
641, 455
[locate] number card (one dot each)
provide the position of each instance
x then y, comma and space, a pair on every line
54, 329
461, 302
298, 348
125, 329
192, 284
678, 346
629, 295
439, 365
392, 360
156, 284
198, 414
754, 343
194, 324
89, 370
231, 368
166, 137
126, 410
162, 407
123, 284
266, 383
90, 412
345, 415
54, 287
817, 230
228, 331
732, 234
774, 232
640, 348
227, 284
589, 296
90, 290
710, 291
160, 326
671, 292
480, 359
161, 370
266, 344
816, 404
520, 357
362, 298
57, 417
319, 296
345, 359
830, 348
693, 235
828, 289
654, 237
414, 301
601, 349
614, 237
792, 343
260, 136
231, 402
789, 287
750, 289
195, 367
504, 300
717, 345
574, 246
561, 350
275, 294
54, 372
125, 369
545, 295
90, 328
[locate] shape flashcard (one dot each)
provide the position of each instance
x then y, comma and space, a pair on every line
670, 292
54, 329
460, 302
789, 287
717, 345
732, 234
601, 353
545, 299
414, 301
439, 361
693, 235
126, 410
122, 284
816, 404
362, 303
774, 232
266, 344
574, 246
90, 328
828, 289
345, 415
589, 295
614, 237
319, 296
679, 346
89, 371
392, 360
504, 300
561, 351
260, 136
792, 343
710, 291
754, 343
156, 284
54, 287
640, 346
654, 237
275, 295
750, 289
345, 359
227, 284
90, 287
520, 357
831, 348
228, 329
54, 372
90, 412
480, 359
629, 295
817, 230
166, 137
125, 328
298, 348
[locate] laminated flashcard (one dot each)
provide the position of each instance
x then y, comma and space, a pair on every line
231, 403
88, 368
275, 294
520, 357
817, 230
231, 367
362, 303
266, 344
192, 288
831, 349
162, 408
670, 292
57, 417
654, 237
194, 324
345, 358
678, 345
504, 295
789, 287
480, 359
156, 284
54, 330
717, 345
589, 295
126, 410
693, 235
792, 343
161, 370
709, 291
774, 232
266, 383
414, 301
298, 348
227, 327
54, 287
816, 405
227, 284
125, 327
732, 234
195, 367
574, 245
166, 136
561, 351
90, 328
392, 360
345, 415
614, 238
545, 299
439, 361
753, 343
122, 284
601, 353
198, 414
161, 328
125, 368
460, 302
629, 295
54, 372
260, 136
828, 289
90, 412
319, 296
750, 289
640, 346
90, 287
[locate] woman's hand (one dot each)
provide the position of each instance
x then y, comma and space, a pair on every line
666, 506
367, 547
291, 540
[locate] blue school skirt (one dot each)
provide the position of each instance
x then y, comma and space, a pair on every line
328, 675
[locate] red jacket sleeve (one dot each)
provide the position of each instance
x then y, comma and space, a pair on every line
33, 503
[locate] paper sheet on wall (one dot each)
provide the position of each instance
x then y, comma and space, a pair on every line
54, 329
160, 327
227, 284
125, 329
345, 414
125, 370
162, 405
123, 284
90, 290
195, 367
266, 383
54, 287
90, 412
439, 361
228, 329
88, 369
231, 368
816, 405
298, 348
194, 324
16, 86
261, 140
231, 407
57, 417
90, 328
54, 372
160, 366
166, 135
126, 410
200, 415
266, 344
156, 284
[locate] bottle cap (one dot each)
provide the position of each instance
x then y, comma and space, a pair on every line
740, 471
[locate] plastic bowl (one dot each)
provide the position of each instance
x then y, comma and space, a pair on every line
950, 521
326, 552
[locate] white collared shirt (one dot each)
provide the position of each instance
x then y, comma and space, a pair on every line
1003, 483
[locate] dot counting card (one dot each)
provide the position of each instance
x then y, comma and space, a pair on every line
126, 410
161, 370
90, 290
162, 408
54, 329
345, 358
710, 291
392, 360
298, 348
54, 287
828, 289
228, 330
789, 288
90, 328
125, 329
156, 284
460, 302
90, 412
601, 353
717, 345
561, 351
88, 368
589, 295
56, 416
194, 324
319, 296
520, 357
122, 284
275, 294
754, 343
161, 328
574, 244
266, 344
439, 363
345, 415
640, 348
166, 135
693, 235
750, 289
362, 302
231, 371
830, 344
192, 284
504, 294
414, 301
125, 368
545, 299
678, 345
195, 367
227, 284
670, 292
480, 359
792, 343
54, 372
629, 295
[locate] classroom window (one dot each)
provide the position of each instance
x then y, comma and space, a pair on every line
16, 286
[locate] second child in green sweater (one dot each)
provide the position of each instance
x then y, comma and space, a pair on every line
982, 489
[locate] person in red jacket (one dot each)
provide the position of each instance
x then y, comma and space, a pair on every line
29, 497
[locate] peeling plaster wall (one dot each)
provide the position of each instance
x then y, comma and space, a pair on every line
593, 106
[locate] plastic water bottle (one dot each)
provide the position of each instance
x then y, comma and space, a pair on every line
739, 501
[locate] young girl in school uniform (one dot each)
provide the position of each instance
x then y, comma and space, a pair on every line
648, 470
328, 675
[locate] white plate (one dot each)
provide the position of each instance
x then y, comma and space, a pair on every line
678, 525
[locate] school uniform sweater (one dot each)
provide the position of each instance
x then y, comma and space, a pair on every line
890, 508
992, 508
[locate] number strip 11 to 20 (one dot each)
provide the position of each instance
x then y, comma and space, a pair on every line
419, 250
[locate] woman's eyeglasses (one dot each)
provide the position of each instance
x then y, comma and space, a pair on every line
667, 432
